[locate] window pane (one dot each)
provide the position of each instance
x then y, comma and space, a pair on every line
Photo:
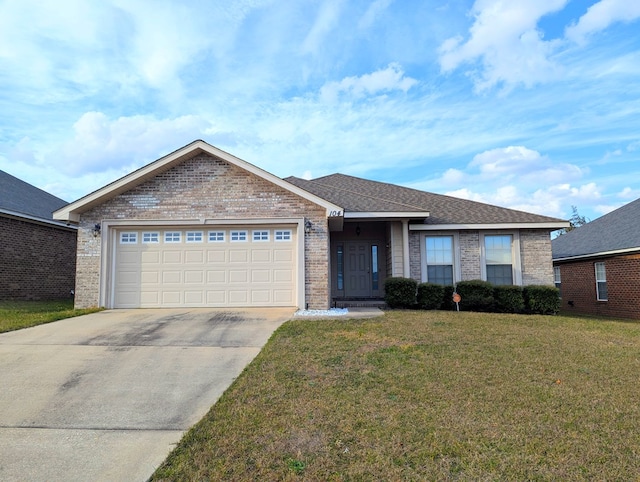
439, 259
500, 274
440, 274
340, 284
498, 249
374, 267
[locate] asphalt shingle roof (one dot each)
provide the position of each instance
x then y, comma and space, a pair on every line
619, 229
355, 194
21, 197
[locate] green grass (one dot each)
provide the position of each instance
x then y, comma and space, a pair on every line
427, 396
15, 315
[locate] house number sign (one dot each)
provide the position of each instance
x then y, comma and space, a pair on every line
335, 214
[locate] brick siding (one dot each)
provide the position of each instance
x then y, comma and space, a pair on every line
623, 287
205, 187
37, 262
535, 257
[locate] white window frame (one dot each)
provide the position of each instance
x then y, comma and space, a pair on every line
150, 237
216, 236
457, 270
238, 236
557, 277
194, 236
129, 237
260, 236
283, 235
516, 265
171, 238
601, 280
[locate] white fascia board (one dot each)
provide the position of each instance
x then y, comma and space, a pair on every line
378, 215
601, 254
438, 227
199, 222
72, 211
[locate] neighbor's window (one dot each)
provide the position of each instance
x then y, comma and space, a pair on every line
238, 235
150, 238
194, 236
499, 259
601, 282
128, 238
216, 236
439, 259
557, 280
172, 236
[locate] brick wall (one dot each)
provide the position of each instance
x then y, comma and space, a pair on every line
623, 286
37, 262
470, 255
535, 257
204, 187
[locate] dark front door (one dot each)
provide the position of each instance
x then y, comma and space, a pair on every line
357, 269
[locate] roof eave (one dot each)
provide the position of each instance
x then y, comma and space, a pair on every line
600, 254
544, 225
71, 212
35, 219
380, 215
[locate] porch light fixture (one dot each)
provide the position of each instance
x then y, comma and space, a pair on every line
307, 226
96, 230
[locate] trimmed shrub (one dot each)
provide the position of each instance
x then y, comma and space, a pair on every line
400, 292
477, 295
508, 299
542, 300
430, 296
447, 298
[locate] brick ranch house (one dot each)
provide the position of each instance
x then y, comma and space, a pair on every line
597, 266
37, 254
200, 227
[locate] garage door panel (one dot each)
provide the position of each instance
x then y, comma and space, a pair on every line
212, 272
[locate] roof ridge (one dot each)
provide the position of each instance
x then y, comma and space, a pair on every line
363, 194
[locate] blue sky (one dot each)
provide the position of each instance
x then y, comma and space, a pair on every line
528, 104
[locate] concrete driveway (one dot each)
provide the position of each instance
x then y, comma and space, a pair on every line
106, 396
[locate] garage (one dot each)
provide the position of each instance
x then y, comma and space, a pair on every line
204, 266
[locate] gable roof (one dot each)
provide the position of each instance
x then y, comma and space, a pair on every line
21, 199
615, 232
359, 195
72, 211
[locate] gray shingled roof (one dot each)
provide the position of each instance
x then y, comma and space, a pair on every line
20, 197
361, 195
619, 229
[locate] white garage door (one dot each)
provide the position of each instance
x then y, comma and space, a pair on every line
192, 267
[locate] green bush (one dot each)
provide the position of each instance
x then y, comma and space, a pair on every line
508, 299
543, 300
477, 295
400, 292
447, 298
430, 296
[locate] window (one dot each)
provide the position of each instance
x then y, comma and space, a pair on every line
375, 275
172, 236
238, 236
128, 238
601, 282
216, 236
150, 238
499, 259
194, 236
340, 263
557, 280
439, 254
261, 235
283, 235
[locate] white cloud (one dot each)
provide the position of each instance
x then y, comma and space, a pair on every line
386, 80
601, 15
325, 21
375, 10
505, 39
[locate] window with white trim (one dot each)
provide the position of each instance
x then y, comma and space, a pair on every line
151, 238
282, 235
601, 282
439, 254
238, 236
194, 237
261, 235
557, 279
498, 259
216, 236
172, 236
128, 238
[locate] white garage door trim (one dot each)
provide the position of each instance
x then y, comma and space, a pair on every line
110, 242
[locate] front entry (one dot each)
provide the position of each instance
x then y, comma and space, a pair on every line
361, 271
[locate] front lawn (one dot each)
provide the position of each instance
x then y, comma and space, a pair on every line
427, 396
15, 315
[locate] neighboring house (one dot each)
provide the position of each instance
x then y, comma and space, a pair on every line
597, 265
200, 227
37, 254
